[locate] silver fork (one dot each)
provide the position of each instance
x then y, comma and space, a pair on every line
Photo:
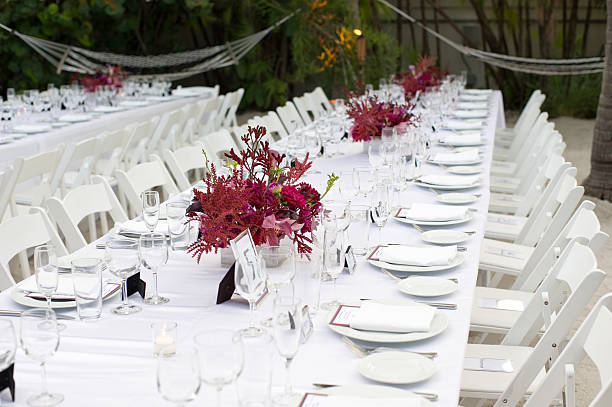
367, 350
428, 396
393, 276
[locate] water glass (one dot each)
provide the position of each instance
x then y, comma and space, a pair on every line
386, 135
308, 278
359, 230
123, 262
39, 337
178, 376
164, 338
46, 272
250, 283
380, 208
362, 180
334, 256
87, 282
278, 265
255, 381
150, 209
287, 328
221, 354
153, 251
178, 227
375, 156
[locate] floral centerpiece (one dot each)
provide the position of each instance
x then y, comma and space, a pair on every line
370, 115
105, 75
424, 74
261, 194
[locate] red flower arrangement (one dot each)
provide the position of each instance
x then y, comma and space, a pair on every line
109, 75
422, 75
370, 116
260, 194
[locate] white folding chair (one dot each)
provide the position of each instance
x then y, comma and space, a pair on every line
274, 126
319, 96
230, 116
238, 132
302, 106
85, 201
557, 303
592, 339
525, 119
111, 150
217, 144
142, 177
183, 160
261, 121
136, 151
207, 116
76, 165
162, 132
7, 185
23, 232
290, 117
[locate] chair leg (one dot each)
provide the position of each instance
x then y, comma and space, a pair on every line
92, 226
104, 222
24, 264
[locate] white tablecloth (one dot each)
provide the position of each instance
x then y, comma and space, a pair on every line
36, 143
110, 362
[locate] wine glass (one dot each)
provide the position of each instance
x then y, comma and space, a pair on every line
278, 265
153, 250
250, 284
46, 274
150, 209
375, 156
221, 356
380, 209
340, 211
333, 258
123, 261
39, 338
178, 376
287, 331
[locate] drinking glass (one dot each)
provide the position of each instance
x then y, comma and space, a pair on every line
250, 284
387, 135
334, 256
47, 277
359, 230
287, 323
375, 156
312, 142
361, 180
10, 94
153, 250
380, 208
308, 278
255, 382
123, 261
340, 211
178, 376
150, 209
39, 337
178, 228
278, 265
221, 356
87, 282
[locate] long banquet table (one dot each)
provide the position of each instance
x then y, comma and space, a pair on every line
110, 361
35, 143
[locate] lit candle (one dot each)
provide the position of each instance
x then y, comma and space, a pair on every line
164, 344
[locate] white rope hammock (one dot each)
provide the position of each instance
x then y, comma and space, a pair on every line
80, 60
577, 66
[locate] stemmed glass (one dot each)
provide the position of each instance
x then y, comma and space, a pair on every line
8, 345
221, 354
178, 376
153, 249
287, 323
333, 258
46, 274
150, 209
278, 265
123, 261
250, 284
380, 209
39, 338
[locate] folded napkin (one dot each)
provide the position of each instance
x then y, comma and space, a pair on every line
449, 180
418, 256
373, 316
470, 114
351, 401
139, 227
477, 91
473, 98
463, 125
64, 286
462, 140
468, 156
472, 105
435, 213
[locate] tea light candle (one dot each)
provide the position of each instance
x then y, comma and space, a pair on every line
164, 339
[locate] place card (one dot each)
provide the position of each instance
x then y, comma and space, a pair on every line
227, 286
507, 253
343, 315
401, 213
505, 221
488, 364
307, 325
312, 400
374, 255
135, 284
7, 381
350, 262
507, 305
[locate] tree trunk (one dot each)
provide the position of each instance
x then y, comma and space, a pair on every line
437, 28
425, 49
599, 181
414, 44
399, 36
587, 23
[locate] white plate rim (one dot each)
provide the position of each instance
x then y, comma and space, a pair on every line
405, 290
480, 160
475, 170
437, 198
456, 241
32, 128
469, 215
428, 365
20, 298
446, 187
458, 260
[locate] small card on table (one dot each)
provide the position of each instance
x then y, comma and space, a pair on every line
343, 315
312, 400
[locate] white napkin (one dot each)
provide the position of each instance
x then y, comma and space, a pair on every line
75, 117
138, 226
467, 156
449, 180
477, 91
434, 213
463, 125
473, 98
472, 105
470, 114
351, 401
462, 140
418, 256
64, 286
373, 316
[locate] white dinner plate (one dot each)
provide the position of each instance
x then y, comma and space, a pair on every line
6, 140
396, 367
463, 143
426, 286
373, 391
459, 258
134, 103
464, 170
468, 217
438, 325
108, 109
456, 198
444, 236
478, 161
63, 263
32, 128
75, 118
446, 187
159, 98
20, 297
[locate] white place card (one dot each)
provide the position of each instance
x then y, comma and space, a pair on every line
514, 254
343, 315
401, 213
488, 364
313, 400
494, 303
505, 221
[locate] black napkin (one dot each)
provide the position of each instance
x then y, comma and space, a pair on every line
135, 284
7, 380
227, 286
